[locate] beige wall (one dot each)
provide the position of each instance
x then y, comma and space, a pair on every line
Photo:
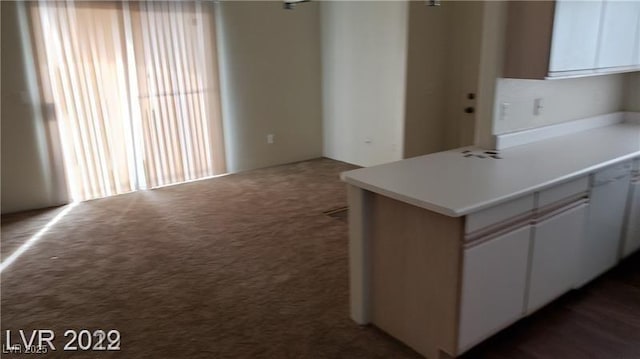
563, 100
632, 91
27, 179
271, 85
365, 94
271, 82
364, 50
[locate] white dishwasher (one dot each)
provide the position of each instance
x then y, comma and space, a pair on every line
608, 201
632, 235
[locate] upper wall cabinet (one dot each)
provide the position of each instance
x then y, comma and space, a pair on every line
618, 34
638, 44
574, 42
569, 38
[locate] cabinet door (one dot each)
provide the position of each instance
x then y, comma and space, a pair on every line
618, 34
575, 35
601, 244
637, 60
493, 286
632, 238
556, 256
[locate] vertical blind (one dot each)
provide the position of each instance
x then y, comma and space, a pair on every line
135, 91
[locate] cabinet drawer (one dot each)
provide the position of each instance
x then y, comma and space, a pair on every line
499, 213
562, 191
612, 172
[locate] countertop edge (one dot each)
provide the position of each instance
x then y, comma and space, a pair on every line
413, 201
467, 210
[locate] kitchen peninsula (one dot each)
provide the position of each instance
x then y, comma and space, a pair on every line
449, 248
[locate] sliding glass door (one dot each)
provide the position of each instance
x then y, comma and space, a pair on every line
135, 91
177, 87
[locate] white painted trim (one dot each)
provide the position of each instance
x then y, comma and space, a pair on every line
512, 139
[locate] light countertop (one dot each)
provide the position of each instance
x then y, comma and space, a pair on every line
454, 185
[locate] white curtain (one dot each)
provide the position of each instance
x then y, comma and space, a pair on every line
135, 91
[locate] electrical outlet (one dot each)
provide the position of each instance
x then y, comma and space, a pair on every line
504, 111
537, 106
271, 139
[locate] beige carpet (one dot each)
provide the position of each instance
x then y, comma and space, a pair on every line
248, 266
240, 266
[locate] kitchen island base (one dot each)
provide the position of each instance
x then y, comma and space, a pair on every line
405, 271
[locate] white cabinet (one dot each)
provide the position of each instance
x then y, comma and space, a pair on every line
555, 256
604, 226
550, 197
637, 61
565, 38
632, 232
493, 286
575, 35
523, 254
618, 34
